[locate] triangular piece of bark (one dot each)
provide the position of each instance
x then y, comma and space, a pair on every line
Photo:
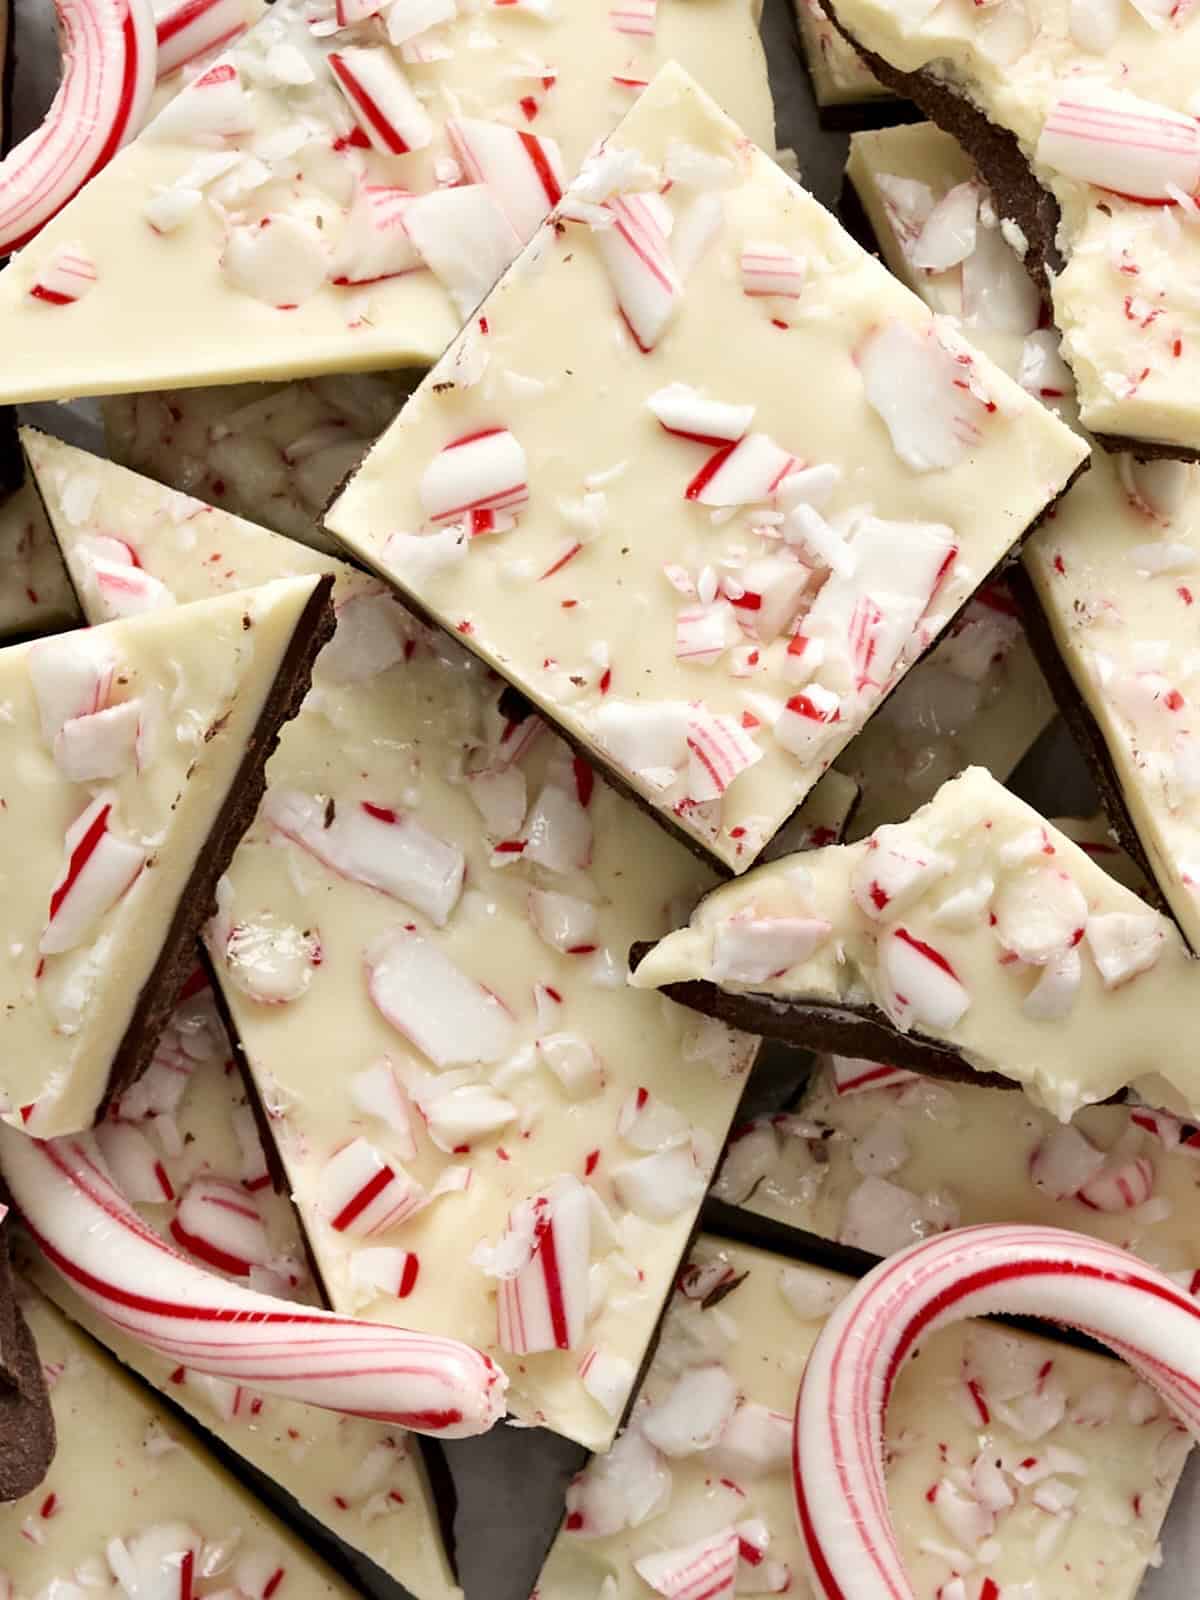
26, 1423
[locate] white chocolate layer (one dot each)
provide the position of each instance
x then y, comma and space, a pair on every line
404, 722
219, 236
35, 596
272, 452
887, 1158
1136, 371
1087, 1481
190, 1117
105, 817
979, 700
702, 648
950, 924
840, 76
1116, 571
130, 1493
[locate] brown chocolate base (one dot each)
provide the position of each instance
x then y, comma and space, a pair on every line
826, 1029
610, 774
1019, 197
8, 65
1084, 728
27, 1438
176, 958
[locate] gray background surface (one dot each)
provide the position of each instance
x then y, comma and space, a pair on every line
510, 1484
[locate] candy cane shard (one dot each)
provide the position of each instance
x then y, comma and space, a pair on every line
973, 938
108, 78
121, 1268
841, 1499
242, 197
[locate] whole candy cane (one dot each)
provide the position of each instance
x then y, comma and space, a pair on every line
121, 1268
837, 1446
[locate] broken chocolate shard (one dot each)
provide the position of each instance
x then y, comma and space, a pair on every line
26, 1423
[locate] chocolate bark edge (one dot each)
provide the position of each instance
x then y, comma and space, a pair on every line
1085, 731
27, 1436
160, 993
1019, 197
825, 1029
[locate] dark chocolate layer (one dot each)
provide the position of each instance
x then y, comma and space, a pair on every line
177, 956
27, 1438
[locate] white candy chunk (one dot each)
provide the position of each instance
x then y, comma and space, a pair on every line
375, 244
752, 1154
361, 1193
384, 1269
948, 235
464, 1113
806, 722
376, 1092
373, 844
1040, 914
464, 239
747, 474
149, 1565
884, 1217
660, 1186
914, 383
500, 799
643, 737
1158, 487
558, 830
98, 869
125, 591
564, 921
755, 1443
895, 872
608, 1379
622, 1489
812, 1295
1124, 944
1120, 142
481, 472
271, 960
448, 1016
542, 1266
102, 744
685, 411
280, 259
647, 1123
694, 1412
719, 751
574, 1063
920, 986
998, 293
1054, 994
1064, 1161
72, 676
748, 949
372, 635
134, 1163
406, 19
1043, 372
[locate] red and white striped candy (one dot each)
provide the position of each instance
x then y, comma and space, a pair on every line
104, 744
742, 474
719, 751
637, 17
363, 1194
72, 676
123, 1270
187, 29
542, 1265
636, 253
706, 1570
445, 1013
157, 1563
98, 870
381, 99
525, 173
483, 471
806, 722
838, 1478
378, 845
102, 100
1119, 142
1122, 1184
126, 591
920, 986
375, 244
134, 1163
68, 276
214, 106
219, 1224
919, 389
770, 270
750, 949
853, 1075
